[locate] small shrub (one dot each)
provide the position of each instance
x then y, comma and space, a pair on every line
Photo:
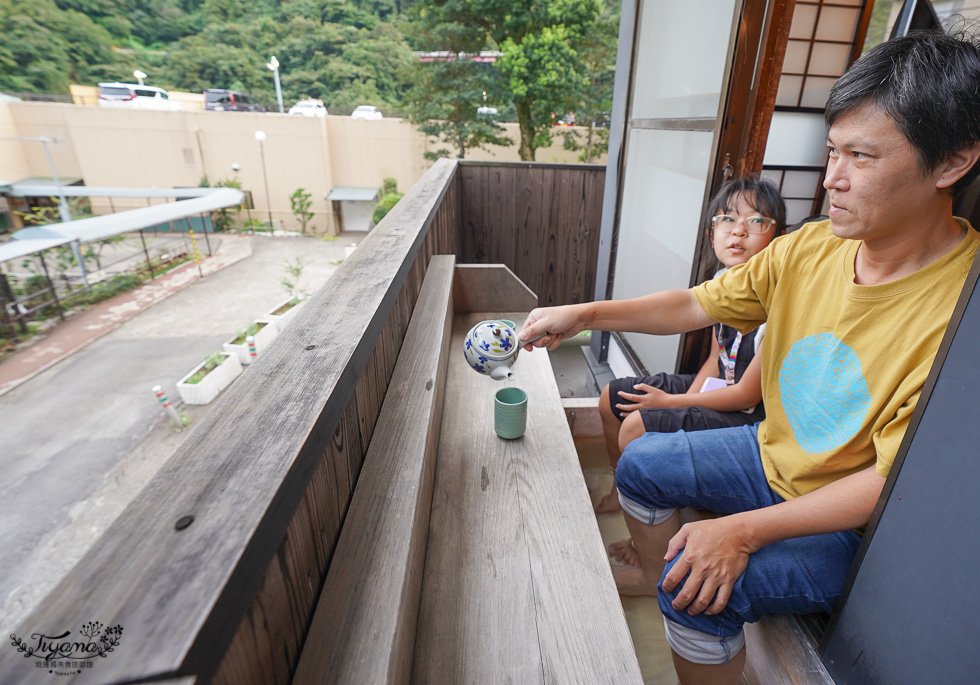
211, 362
383, 207
251, 329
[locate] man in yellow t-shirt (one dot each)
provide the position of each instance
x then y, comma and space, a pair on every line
855, 309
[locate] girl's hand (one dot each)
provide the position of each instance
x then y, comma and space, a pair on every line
650, 397
557, 323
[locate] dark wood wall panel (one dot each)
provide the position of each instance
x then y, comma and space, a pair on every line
269, 640
541, 220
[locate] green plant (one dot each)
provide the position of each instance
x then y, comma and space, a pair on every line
211, 362
41, 216
301, 203
119, 283
226, 219
383, 207
293, 272
388, 186
251, 329
254, 225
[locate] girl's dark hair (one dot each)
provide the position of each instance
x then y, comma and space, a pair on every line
761, 194
927, 83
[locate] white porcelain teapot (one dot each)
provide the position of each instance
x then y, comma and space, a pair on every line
491, 348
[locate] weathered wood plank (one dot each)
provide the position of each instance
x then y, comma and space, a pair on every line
781, 653
251, 657
363, 630
181, 592
540, 220
516, 578
490, 287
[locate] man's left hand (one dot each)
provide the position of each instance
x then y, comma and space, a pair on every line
716, 553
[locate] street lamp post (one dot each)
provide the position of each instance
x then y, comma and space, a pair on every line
273, 64
260, 136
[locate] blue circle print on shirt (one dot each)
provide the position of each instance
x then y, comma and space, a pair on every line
824, 392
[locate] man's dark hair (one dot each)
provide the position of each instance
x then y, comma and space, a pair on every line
761, 194
928, 83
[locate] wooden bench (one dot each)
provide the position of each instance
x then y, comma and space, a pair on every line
466, 558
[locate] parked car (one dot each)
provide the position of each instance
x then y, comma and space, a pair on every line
135, 96
223, 100
366, 112
309, 108
489, 113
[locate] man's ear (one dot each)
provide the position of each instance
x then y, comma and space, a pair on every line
957, 165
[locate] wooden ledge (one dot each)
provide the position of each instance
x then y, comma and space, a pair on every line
517, 585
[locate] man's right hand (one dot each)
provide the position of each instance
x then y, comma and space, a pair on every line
558, 323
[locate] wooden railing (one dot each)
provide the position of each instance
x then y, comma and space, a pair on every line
214, 570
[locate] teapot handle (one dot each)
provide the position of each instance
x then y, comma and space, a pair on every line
537, 337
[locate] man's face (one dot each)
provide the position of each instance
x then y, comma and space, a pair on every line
878, 192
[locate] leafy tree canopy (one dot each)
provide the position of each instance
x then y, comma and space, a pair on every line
558, 56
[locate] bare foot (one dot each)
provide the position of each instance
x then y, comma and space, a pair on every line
625, 552
632, 582
609, 502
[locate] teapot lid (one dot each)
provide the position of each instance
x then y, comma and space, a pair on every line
494, 339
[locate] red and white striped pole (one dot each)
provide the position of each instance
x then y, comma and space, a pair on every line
251, 348
168, 406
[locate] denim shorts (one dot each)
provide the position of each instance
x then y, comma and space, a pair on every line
721, 471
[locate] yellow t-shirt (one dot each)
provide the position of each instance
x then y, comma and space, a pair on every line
843, 364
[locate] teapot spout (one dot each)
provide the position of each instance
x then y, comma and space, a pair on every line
501, 373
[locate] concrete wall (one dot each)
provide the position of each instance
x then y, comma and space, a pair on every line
139, 149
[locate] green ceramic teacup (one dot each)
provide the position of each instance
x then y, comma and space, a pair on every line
510, 412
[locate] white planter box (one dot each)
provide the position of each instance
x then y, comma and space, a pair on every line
283, 319
265, 336
211, 385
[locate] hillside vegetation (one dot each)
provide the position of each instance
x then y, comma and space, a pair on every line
343, 53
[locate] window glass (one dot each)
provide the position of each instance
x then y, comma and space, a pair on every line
680, 58
114, 90
143, 93
662, 196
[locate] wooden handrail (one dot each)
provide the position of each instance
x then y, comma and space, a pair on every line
214, 569
179, 568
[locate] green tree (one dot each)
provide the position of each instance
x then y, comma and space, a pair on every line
597, 52
540, 61
301, 203
444, 103
45, 48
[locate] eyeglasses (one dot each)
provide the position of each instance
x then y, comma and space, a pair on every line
753, 224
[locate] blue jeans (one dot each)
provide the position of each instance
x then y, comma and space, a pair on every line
721, 471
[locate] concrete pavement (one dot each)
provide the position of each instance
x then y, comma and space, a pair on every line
80, 436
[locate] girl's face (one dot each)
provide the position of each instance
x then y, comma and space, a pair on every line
734, 239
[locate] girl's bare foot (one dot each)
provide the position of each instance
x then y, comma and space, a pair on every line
609, 502
625, 552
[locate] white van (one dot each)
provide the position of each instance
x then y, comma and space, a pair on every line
134, 96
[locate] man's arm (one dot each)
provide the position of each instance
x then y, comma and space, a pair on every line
717, 551
663, 313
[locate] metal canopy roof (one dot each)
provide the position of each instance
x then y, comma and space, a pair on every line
99, 227
38, 187
347, 194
